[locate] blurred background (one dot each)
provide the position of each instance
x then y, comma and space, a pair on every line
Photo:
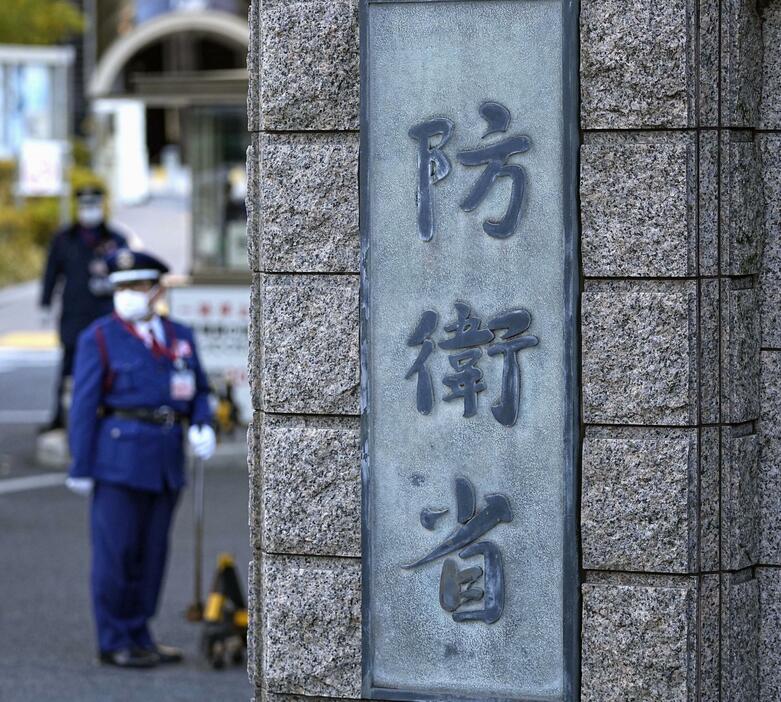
146, 98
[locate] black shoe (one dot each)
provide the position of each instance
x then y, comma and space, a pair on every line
166, 654
130, 658
54, 425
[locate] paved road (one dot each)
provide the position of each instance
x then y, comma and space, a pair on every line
47, 650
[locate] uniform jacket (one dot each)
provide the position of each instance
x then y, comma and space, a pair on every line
116, 369
80, 261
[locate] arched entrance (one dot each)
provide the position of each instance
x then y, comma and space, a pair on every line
220, 25
169, 102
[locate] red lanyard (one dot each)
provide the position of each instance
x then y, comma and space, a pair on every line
157, 348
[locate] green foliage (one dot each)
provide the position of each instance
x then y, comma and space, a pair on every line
80, 153
39, 21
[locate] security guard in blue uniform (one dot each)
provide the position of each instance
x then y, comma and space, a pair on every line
77, 257
138, 389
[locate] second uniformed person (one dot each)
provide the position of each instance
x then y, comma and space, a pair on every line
138, 386
77, 258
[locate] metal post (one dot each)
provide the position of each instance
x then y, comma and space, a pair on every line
195, 610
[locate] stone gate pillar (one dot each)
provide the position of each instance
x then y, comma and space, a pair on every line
680, 351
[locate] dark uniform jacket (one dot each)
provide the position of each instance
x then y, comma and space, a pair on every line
115, 369
78, 254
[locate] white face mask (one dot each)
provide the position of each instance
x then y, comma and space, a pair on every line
133, 305
90, 215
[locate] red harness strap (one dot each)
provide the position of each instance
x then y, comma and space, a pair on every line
108, 374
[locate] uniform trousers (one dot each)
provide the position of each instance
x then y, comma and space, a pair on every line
129, 550
66, 370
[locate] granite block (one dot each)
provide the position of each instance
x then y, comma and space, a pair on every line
638, 205
708, 169
638, 504
739, 637
770, 106
770, 148
310, 344
255, 337
639, 359
740, 349
255, 465
637, 64
274, 697
740, 515
638, 643
741, 205
709, 647
770, 466
309, 56
253, 204
709, 62
253, 67
769, 634
311, 626
254, 644
741, 63
309, 203
311, 485
709, 350
710, 499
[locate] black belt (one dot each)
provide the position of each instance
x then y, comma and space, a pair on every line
163, 416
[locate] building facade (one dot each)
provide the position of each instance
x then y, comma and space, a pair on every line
680, 350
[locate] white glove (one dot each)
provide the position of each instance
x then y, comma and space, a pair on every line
46, 318
81, 486
202, 441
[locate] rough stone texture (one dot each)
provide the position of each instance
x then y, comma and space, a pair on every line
255, 466
741, 63
740, 514
710, 638
741, 205
310, 341
274, 697
770, 108
740, 624
253, 205
740, 349
254, 333
769, 634
771, 256
310, 66
639, 366
637, 206
636, 643
709, 350
309, 203
708, 215
709, 59
770, 480
709, 500
254, 644
636, 67
311, 623
254, 596
311, 486
253, 67
637, 507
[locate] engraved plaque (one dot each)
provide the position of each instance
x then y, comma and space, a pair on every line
469, 300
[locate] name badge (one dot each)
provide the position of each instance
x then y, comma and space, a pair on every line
182, 385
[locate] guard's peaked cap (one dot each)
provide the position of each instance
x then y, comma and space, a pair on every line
126, 266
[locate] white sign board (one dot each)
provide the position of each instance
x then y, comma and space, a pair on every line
219, 314
41, 168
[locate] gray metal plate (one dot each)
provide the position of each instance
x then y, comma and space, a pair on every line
443, 61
